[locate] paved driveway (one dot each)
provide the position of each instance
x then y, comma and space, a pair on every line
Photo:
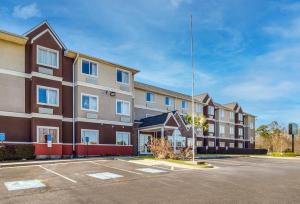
236, 180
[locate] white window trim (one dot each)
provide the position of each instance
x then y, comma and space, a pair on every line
46, 127
153, 97
231, 114
123, 101
50, 88
48, 49
129, 139
200, 109
209, 125
170, 100
129, 76
92, 62
220, 128
91, 130
187, 105
90, 95
209, 108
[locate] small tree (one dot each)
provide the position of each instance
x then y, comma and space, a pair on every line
199, 121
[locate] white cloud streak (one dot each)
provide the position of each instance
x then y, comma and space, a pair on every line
26, 11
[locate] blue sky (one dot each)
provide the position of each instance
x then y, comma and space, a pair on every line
245, 51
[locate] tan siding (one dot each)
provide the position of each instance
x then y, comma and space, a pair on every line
12, 93
12, 56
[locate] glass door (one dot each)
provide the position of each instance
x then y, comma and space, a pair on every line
144, 141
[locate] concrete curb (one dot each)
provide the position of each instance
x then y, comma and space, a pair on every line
270, 157
41, 162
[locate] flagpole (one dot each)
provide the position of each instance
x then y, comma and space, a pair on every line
193, 85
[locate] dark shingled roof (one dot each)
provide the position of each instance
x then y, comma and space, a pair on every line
154, 120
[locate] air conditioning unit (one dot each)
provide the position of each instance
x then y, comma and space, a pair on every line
91, 116
91, 80
46, 111
125, 119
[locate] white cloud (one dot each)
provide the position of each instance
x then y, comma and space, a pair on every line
291, 30
26, 11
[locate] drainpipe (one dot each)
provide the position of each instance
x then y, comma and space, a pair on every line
73, 106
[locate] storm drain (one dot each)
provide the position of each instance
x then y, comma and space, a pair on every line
21, 185
151, 170
105, 175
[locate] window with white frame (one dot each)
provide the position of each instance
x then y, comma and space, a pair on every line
231, 130
47, 96
89, 68
89, 102
184, 104
211, 127
231, 116
251, 125
179, 140
240, 145
92, 135
198, 107
240, 117
122, 138
122, 76
44, 131
222, 129
150, 97
211, 144
231, 145
123, 107
221, 144
222, 114
199, 143
168, 101
47, 57
240, 131
211, 110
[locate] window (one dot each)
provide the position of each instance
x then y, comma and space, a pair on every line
149, 97
211, 128
241, 145
47, 96
179, 140
47, 57
89, 102
222, 114
231, 130
198, 108
231, 145
184, 104
122, 138
93, 136
240, 131
222, 144
44, 131
231, 115
168, 101
211, 110
222, 129
122, 77
211, 144
89, 68
123, 107
240, 117
251, 125
199, 143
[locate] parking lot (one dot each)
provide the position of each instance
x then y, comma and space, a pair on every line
234, 180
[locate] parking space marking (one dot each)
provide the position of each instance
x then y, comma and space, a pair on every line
21, 185
105, 175
151, 170
58, 174
133, 172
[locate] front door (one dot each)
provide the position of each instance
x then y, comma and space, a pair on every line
144, 141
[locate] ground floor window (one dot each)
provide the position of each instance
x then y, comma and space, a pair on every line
222, 144
241, 145
199, 143
91, 135
231, 145
122, 138
44, 131
211, 144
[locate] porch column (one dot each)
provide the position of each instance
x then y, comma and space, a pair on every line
138, 142
162, 132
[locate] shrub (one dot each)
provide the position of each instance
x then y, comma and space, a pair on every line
279, 154
16, 152
161, 148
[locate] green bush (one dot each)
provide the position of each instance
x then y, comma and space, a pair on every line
16, 152
279, 154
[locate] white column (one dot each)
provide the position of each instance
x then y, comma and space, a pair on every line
162, 132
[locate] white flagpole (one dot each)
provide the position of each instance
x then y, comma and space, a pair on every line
193, 86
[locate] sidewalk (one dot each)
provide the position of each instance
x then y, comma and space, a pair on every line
270, 157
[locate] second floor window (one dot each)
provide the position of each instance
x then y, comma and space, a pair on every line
231, 130
89, 68
47, 96
123, 107
168, 101
211, 110
47, 57
222, 129
184, 104
122, 77
222, 114
240, 117
240, 131
149, 97
211, 127
251, 125
89, 102
231, 115
198, 108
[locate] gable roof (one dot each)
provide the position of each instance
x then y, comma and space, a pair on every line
157, 120
234, 106
51, 32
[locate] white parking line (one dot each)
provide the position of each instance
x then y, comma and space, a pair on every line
58, 174
21, 185
133, 172
105, 175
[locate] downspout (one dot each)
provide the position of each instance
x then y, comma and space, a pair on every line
73, 104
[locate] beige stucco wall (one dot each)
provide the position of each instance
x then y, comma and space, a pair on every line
106, 106
12, 56
12, 93
107, 76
